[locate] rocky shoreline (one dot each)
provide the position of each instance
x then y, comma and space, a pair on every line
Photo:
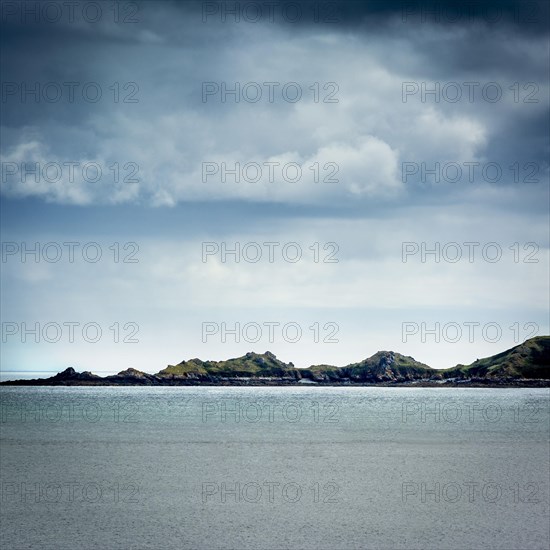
154, 381
70, 377
526, 365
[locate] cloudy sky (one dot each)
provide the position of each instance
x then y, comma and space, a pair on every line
352, 137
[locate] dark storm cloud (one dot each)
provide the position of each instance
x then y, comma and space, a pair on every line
174, 46
528, 15
532, 126
478, 53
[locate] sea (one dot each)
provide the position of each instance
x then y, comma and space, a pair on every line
314, 468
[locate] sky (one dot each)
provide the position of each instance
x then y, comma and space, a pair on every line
322, 180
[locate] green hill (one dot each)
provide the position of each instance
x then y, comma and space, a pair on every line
528, 360
383, 366
249, 365
389, 366
527, 364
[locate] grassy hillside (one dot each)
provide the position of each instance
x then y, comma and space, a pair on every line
193, 366
388, 365
251, 364
528, 360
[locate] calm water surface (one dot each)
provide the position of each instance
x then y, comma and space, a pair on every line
273, 468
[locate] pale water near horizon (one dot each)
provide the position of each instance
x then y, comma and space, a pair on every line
272, 468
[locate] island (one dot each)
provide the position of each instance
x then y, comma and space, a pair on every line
525, 365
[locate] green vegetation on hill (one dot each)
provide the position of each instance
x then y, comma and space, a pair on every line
528, 360
382, 366
251, 364
185, 368
525, 364
390, 365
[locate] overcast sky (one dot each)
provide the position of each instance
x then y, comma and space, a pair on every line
359, 126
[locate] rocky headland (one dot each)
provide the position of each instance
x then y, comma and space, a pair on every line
525, 365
